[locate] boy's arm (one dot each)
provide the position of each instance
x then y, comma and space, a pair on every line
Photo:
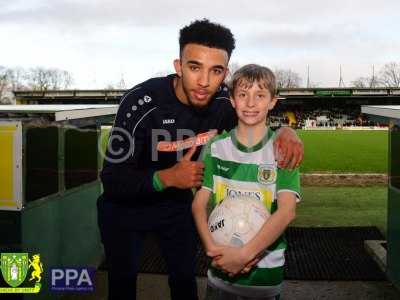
199, 210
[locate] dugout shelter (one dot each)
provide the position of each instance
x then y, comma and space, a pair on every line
391, 114
49, 184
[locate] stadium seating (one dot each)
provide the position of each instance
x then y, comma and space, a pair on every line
333, 119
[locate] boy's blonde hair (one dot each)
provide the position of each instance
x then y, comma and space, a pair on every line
250, 73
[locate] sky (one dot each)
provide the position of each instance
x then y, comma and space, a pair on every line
99, 42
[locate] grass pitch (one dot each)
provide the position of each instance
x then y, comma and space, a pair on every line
343, 206
343, 151
336, 151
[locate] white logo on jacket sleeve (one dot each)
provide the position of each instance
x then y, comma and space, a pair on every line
168, 121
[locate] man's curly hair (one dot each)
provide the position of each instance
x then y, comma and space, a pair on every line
205, 33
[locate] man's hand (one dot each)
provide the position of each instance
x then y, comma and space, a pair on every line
288, 147
185, 174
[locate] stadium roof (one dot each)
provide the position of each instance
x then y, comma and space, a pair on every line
60, 112
389, 111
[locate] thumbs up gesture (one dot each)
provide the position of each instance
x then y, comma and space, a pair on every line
185, 173
189, 154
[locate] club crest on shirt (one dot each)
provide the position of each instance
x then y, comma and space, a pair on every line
266, 174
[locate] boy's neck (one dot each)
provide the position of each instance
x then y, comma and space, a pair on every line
250, 136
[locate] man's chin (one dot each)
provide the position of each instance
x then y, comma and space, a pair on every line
199, 103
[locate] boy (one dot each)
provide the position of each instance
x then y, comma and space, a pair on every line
240, 162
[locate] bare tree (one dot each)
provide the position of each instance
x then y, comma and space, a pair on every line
16, 78
286, 78
3, 82
38, 79
366, 82
6, 95
42, 79
390, 74
59, 79
361, 82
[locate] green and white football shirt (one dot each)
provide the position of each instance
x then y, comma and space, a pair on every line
232, 169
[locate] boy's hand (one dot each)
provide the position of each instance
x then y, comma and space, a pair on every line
211, 249
229, 259
288, 147
250, 265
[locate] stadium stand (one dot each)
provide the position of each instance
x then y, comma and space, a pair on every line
311, 108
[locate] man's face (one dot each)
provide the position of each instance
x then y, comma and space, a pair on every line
201, 71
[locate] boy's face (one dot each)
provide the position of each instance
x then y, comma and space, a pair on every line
201, 71
252, 101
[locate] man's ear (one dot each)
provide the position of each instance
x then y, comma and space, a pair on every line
232, 102
178, 67
272, 103
227, 71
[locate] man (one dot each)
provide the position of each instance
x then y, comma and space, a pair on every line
147, 177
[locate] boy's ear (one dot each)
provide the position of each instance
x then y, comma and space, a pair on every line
178, 67
271, 105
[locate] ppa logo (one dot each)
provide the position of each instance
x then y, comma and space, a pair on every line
72, 279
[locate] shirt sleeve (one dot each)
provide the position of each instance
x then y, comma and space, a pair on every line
208, 167
288, 181
124, 175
